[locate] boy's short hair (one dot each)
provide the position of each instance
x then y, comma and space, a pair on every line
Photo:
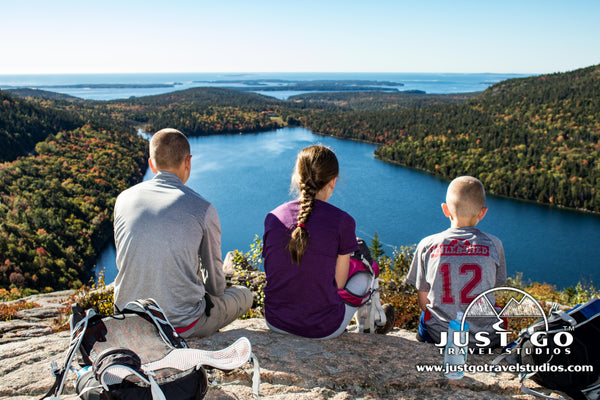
168, 148
465, 196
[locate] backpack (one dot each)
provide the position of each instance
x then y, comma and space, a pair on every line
136, 354
553, 361
370, 316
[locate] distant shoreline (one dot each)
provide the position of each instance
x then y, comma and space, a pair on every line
246, 85
279, 85
102, 86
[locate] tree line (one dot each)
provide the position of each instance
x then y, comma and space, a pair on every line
23, 124
530, 138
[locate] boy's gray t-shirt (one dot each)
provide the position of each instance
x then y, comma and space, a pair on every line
454, 267
167, 237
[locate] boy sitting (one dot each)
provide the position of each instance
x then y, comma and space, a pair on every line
451, 268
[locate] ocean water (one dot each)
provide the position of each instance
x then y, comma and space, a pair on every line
429, 82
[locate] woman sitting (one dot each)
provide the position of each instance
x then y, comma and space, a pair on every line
306, 246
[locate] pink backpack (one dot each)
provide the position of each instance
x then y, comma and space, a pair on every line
361, 262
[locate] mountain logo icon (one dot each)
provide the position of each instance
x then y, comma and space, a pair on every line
519, 304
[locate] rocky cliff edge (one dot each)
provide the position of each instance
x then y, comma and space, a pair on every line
352, 366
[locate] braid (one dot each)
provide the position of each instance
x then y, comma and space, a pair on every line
315, 167
307, 202
299, 240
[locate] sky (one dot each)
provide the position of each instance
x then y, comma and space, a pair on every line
108, 36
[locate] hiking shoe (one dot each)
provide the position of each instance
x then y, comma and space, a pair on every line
390, 319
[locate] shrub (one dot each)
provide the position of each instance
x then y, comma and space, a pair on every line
395, 291
247, 272
97, 296
9, 311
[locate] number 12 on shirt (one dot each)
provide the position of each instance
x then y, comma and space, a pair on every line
474, 270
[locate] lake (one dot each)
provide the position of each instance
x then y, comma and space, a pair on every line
246, 176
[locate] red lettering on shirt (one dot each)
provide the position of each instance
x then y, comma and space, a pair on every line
459, 248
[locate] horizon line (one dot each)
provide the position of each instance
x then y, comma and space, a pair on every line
273, 72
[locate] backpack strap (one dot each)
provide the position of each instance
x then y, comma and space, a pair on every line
151, 309
566, 317
255, 377
532, 392
115, 364
78, 327
371, 314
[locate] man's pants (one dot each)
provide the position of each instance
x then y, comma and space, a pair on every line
235, 302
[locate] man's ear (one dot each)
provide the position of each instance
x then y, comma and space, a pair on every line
152, 168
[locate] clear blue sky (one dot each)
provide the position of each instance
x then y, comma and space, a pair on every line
81, 36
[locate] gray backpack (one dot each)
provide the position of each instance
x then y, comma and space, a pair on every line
136, 354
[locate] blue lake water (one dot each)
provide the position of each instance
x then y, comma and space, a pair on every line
246, 176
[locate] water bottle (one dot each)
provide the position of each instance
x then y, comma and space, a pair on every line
455, 355
82, 371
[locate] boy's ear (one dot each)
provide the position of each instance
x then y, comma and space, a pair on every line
482, 213
446, 210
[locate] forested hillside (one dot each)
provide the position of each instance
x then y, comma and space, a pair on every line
379, 101
57, 206
57, 203
534, 138
43, 94
202, 111
23, 124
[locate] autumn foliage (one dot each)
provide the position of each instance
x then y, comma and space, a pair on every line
57, 205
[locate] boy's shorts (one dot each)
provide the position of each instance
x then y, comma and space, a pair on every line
422, 334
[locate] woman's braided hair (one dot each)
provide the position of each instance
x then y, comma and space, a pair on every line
315, 167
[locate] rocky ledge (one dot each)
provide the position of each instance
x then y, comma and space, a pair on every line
352, 366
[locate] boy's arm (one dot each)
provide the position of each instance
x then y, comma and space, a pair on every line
423, 300
416, 276
501, 268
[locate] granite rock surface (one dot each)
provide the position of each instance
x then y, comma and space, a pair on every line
352, 366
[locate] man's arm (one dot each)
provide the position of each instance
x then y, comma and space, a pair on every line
210, 254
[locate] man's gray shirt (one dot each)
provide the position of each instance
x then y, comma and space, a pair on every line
168, 241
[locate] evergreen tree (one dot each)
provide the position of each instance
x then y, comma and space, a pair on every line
376, 247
